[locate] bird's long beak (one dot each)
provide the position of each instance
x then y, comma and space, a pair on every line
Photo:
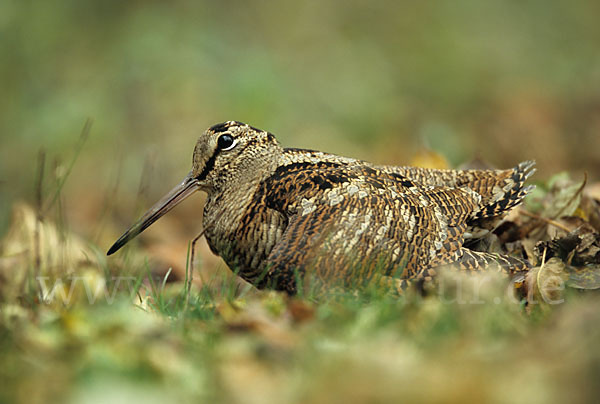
187, 187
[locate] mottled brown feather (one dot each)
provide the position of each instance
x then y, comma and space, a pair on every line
279, 216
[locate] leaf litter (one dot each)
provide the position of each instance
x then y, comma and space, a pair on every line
465, 338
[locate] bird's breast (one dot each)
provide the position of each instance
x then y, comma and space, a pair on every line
244, 242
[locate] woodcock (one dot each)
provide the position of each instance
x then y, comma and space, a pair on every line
280, 217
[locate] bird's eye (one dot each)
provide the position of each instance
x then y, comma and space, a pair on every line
226, 142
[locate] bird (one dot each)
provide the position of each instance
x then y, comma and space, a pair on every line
288, 219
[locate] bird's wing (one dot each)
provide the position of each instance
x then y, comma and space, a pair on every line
342, 220
500, 190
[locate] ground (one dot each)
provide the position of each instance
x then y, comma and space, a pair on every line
425, 83
79, 327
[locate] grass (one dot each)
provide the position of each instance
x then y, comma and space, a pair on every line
153, 340
378, 81
263, 346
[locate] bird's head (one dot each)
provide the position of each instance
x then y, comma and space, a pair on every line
227, 154
231, 150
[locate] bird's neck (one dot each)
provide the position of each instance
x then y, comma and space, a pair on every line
303, 156
228, 203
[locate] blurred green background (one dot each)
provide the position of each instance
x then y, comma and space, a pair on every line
503, 81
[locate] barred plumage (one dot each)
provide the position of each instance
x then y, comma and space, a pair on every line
277, 216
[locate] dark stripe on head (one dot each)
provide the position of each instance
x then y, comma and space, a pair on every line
220, 127
210, 164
